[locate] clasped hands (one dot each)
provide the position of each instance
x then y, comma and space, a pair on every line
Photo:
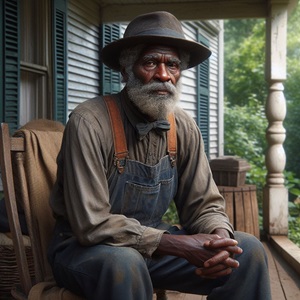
213, 254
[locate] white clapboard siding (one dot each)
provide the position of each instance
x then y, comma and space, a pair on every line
83, 51
188, 100
189, 80
216, 148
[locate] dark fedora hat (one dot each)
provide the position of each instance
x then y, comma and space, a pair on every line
154, 28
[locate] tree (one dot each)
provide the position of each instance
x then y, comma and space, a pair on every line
244, 61
245, 94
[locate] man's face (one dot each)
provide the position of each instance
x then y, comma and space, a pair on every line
158, 63
153, 84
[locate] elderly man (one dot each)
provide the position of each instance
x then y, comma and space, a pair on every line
124, 158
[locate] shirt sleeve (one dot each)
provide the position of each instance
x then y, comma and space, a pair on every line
200, 205
83, 188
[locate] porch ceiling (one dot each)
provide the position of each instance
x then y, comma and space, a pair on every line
125, 10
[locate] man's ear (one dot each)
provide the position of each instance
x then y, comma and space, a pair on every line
124, 75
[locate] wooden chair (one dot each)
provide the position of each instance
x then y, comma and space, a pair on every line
28, 168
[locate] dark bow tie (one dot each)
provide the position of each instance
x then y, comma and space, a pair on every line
144, 128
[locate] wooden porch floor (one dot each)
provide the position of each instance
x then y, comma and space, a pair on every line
285, 282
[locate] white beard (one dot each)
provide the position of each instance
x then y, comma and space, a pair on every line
144, 97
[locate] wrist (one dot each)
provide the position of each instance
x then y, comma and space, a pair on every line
223, 233
171, 245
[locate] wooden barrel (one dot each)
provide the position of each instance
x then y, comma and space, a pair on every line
242, 207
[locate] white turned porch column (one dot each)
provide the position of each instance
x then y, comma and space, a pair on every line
275, 202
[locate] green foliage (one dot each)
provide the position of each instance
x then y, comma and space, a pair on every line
292, 94
294, 231
244, 62
294, 221
293, 185
292, 124
245, 96
245, 137
171, 216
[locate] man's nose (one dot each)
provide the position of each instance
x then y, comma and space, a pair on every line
162, 73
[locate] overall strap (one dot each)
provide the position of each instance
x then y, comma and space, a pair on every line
121, 152
172, 139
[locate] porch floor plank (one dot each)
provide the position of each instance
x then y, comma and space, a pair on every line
276, 287
285, 281
288, 278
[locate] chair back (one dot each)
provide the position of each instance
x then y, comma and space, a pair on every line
28, 168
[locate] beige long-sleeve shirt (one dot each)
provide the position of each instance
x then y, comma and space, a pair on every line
85, 164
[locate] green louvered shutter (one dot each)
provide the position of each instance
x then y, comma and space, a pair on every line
203, 97
9, 62
110, 79
60, 59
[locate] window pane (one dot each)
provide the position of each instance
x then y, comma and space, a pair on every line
35, 57
33, 25
32, 93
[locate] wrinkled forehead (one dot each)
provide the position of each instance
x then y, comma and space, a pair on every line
159, 50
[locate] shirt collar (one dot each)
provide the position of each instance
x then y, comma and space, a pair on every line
134, 115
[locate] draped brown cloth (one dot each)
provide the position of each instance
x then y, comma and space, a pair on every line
42, 144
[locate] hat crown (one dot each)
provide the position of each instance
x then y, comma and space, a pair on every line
157, 24
156, 28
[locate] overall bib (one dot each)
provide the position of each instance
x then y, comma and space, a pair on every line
137, 190
144, 192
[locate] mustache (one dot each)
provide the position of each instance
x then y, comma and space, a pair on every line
154, 86
150, 87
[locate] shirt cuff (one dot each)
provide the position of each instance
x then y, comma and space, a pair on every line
149, 240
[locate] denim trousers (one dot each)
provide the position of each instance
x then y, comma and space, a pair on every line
122, 273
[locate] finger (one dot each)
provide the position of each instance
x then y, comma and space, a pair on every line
220, 243
233, 249
203, 274
227, 262
216, 259
211, 270
231, 263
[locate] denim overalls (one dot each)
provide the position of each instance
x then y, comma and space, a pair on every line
137, 191
143, 192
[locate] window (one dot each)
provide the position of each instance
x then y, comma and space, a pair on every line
33, 60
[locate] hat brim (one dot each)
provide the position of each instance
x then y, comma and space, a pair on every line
110, 54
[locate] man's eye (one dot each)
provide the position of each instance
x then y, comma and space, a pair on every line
173, 65
150, 63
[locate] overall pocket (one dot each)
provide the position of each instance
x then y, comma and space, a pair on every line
147, 203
